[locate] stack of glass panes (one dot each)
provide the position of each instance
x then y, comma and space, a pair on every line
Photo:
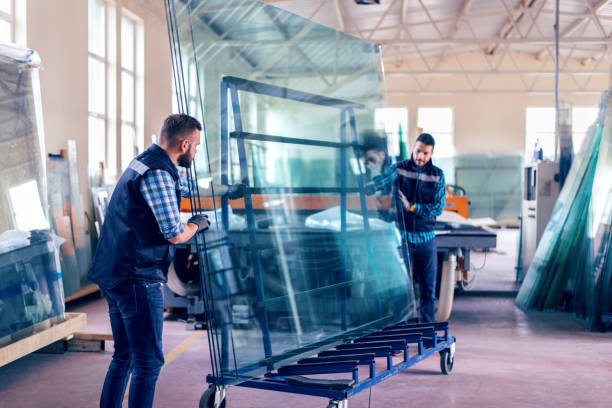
30, 279
310, 265
572, 269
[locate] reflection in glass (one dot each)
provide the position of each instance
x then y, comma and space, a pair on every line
27, 208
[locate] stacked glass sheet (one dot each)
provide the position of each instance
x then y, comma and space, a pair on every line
572, 269
302, 262
67, 218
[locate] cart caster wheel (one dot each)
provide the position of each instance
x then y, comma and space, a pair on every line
208, 399
446, 361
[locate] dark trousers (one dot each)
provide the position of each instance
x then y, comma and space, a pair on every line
424, 260
136, 310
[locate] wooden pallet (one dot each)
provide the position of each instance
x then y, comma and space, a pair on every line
84, 291
88, 342
58, 331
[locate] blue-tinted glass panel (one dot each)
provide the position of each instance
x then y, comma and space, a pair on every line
302, 261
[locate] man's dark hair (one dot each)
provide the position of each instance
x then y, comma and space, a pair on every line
426, 139
176, 127
373, 141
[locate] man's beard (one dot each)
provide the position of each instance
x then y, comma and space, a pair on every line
184, 160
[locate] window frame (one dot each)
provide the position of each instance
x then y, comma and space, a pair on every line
104, 60
137, 77
393, 142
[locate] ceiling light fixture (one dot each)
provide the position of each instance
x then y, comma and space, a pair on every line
367, 1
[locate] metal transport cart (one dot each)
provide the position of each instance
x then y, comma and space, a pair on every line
410, 343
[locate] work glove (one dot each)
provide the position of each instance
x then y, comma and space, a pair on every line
236, 191
370, 188
201, 221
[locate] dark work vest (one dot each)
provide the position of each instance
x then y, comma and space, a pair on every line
131, 245
419, 187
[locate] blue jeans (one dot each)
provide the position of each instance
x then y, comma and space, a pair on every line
424, 260
136, 310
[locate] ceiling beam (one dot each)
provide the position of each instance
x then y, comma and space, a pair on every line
577, 23
495, 73
382, 18
511, 23
500, 41
492, 92
597, 54
453, 31
339, 15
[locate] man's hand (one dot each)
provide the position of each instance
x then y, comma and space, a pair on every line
201, 221
404, 200
236, 191
370, 188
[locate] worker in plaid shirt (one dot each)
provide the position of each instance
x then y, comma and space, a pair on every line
135, 249
419, 189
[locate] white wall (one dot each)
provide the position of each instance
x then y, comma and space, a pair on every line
490, 121
487, 123
57, 30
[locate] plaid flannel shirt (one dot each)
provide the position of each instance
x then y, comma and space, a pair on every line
434, 209
158, 189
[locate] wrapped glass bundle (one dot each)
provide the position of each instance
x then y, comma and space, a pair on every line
283, 100
31, 290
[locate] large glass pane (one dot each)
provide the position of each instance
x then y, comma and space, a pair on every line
394, 122
97, 86
127, 44
492, 183
582, 119
97, 28
127, 97
302, 261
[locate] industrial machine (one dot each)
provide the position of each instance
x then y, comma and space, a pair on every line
540, 192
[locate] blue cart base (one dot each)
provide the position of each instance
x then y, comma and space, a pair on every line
413, 342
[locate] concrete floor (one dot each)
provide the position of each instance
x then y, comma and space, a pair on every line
504, 358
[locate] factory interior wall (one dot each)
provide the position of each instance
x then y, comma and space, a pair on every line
489, 122
486, 123
58, 31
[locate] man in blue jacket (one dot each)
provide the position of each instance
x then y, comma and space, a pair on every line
135, 248
420, 190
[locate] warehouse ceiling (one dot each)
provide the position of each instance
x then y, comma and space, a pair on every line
477, 39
